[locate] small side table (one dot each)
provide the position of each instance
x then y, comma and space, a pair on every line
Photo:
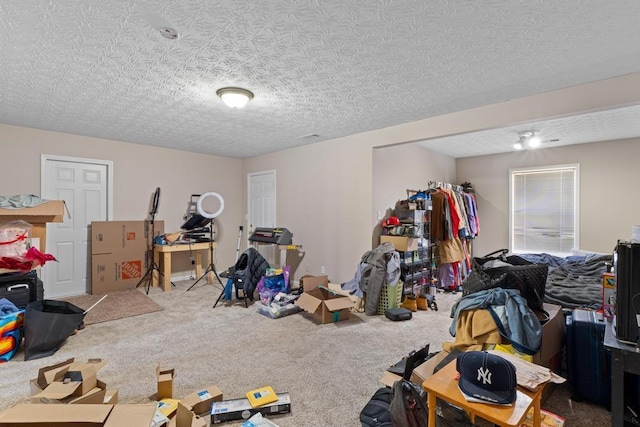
166, 250
444, 384
624, 358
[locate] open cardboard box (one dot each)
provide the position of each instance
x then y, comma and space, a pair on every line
199, 402
70, 382
553, 339
38, 217
186, 418
165, 382
323, 304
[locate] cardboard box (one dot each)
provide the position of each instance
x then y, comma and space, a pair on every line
238, 409
608, 295
37, 415
200, 401
186, 418
109, 237
139, 415
69, 382
110, 396
553, 339
38, 217
401, 243
323, 304
165, 382
113, 272
119, 254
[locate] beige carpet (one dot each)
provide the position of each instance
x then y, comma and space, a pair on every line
117, 305
330, 370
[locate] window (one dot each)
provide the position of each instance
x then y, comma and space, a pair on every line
544, 209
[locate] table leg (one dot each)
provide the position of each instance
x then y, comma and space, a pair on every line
537, 420
155, 276
198, 264
617, 388
166, 270
431, 402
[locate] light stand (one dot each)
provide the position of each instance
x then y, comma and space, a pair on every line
211, 268
151, 260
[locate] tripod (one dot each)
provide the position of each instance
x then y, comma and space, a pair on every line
211, 268
151, 261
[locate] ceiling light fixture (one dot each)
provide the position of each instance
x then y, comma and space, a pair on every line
234, 97
527, 138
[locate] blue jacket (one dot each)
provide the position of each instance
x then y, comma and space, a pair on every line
512, 315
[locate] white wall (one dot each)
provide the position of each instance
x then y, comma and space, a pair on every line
609, 202
138, 170
324, 190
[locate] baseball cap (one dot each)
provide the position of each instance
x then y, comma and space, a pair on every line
392, 221
487, 376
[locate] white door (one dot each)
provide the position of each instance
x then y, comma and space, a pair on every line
262, 204
85, 186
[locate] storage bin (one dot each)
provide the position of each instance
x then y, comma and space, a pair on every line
390, 297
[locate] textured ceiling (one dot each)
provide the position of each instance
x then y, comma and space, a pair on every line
608, 125
330, 67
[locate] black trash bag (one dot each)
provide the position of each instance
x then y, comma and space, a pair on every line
47, 325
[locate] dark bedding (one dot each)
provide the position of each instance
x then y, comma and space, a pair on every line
574, 281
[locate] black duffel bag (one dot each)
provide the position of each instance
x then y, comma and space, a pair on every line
47, 325
528, 278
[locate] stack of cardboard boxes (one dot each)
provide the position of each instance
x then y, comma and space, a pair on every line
119, 253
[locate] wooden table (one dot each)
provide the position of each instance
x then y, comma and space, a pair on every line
444, 384
165, 264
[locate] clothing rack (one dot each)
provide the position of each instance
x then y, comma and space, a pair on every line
432, 185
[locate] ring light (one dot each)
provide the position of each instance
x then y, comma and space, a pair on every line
206, 214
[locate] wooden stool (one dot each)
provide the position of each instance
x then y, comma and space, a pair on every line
444, 384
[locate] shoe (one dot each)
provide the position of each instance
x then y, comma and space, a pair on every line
410, 302
422, 302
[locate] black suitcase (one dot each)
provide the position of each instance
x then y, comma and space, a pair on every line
399, 313
21, 288
588, 361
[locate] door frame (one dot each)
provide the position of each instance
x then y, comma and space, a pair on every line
249, 175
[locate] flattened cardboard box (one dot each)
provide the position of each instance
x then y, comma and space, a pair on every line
323, 304
108, 237
37, 415
239, 409
119, 254
139, 415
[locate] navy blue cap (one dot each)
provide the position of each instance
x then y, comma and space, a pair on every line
487, 377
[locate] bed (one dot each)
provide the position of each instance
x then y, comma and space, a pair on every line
575, 280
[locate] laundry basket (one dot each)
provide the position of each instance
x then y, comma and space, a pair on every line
390, 297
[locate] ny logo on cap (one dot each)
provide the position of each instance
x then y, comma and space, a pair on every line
484, 374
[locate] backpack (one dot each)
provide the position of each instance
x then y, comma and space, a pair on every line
376, 412
409, 405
